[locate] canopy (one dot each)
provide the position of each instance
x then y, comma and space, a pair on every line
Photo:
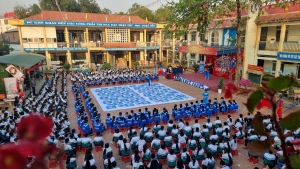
25, 60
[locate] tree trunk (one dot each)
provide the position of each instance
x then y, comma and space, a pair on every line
238, 42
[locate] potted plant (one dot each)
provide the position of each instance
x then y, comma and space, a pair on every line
245, 83
195, 67
106, 66
272, 40
220, 85
67, 67
136, 64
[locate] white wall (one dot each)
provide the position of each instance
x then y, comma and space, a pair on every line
271, 33
293, 33
268, 66
290, 68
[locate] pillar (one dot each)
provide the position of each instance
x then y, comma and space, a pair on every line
167, 56
45, 39
145, 36
141, 36
88, 58
160, 46
155, 57
107, 57
145, 57
69, 58
21, 38
129, 38
87, 38
105, 34
282, 36
48, 60
129, 58
67, 39
173, 52
141, 55
278, 64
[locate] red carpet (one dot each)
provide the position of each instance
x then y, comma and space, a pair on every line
199, 78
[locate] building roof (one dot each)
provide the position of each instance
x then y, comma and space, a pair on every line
87, 17
119, 45
12, 30
26, 60
294, 16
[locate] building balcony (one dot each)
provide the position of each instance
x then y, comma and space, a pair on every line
268, 45
291, 46
55, 46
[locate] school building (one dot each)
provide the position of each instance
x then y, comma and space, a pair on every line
86, 40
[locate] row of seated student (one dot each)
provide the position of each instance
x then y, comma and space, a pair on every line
121, 80
146, 117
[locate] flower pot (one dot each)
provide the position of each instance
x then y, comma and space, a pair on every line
272, 41
220, 91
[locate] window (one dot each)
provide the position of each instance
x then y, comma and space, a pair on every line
215, 38
6, 22
278, 30
193, 56
193, 36
41, 40
263, 33
24, 40
49, 40
117, 35
35, 39
201, 57
30, 40
202, 37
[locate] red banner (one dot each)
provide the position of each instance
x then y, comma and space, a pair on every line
256, 68
198, 49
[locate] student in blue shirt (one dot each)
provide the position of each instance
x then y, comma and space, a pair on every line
143, 120
196, 112
165, 115
121, 122
173, 110
235, 106
177, 114
120, 115
98, 126
136, 120
187, 113
157, 117
108, 120
86, 128
129, 121
149, 118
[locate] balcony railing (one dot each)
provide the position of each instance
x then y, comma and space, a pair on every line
268, 45
291, 46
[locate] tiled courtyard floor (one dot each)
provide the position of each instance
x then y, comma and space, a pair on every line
240, 161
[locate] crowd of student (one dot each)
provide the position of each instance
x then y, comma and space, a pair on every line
113, 76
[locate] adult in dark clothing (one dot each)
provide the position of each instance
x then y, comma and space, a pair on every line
153, 164
33, 85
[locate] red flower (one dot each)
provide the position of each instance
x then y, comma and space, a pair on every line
34, 127
229, 90
10, 157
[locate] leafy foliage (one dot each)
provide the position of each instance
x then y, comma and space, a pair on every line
295, 161
258, 125
5, 48
67, 66
282, 82
257, 148
141, 11
220, 84
254, 99
244, 83
136, 63
106, 66
291, 122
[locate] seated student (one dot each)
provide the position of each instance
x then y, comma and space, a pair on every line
87, 142
161, 133
98, 140
217, 122
129, 121
131, 132
116, 135
229, 121
113, 123
212, 148
140, 144
205, 131
174, 132
146, 154
122, 123
235, 105
209, 125
209, 162
162, 152
187, 113
71, 162
177, 114
181, 125
194, 163
98, 126
170, 126
149, 118
192, 143
240, 134
182, 139
233, 143
165, 115
125, 148
134, 140
143, 130
227, 158
219, 130
214, 136
106, 81
120, 142
143, 119
199, 153
88, 161
137, 163
109, 160
251, 138
266, 120
155, 144
238, 124
187, 129
269, 159
156, 128
106, 150
185, 156
226, 134
86, 128
168, 139
68, 148
148, 136
157, 117
171, 158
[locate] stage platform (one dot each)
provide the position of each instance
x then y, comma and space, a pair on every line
199, 78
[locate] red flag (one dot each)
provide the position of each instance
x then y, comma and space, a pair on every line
279, 109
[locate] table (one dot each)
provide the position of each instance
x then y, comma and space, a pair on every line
9, 101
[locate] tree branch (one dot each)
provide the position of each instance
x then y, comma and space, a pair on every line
280, 135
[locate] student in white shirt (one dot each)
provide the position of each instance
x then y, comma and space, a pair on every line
146, 153
106, 150
87, 141
89, 161
181, 124
108, 161
196, 125
182, 138
162, 152
155, 142
137, 163
233, 143
194, 163
140, 144
171, 158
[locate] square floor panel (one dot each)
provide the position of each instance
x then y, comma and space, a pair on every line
136, 95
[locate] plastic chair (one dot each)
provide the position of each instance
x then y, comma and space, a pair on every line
98, 148
240, 141
126, 159
52, 164
163, 161
84, 150
79, 148
65, 156
235, 152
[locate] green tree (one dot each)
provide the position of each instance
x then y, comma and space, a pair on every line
106, 11
5, 48
141, 11
160, 15
89, 6
69, 6
21, 11
34, 9
49, 5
